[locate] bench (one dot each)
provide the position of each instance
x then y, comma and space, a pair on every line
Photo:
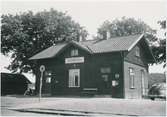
89, 91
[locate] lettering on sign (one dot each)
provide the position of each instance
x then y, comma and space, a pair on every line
74, 60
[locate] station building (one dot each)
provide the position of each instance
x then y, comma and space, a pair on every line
117, 67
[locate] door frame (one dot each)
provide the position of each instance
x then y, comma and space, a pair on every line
72, 73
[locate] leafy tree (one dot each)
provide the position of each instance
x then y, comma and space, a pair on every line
130, 26
26, 34
124, 27
160, 50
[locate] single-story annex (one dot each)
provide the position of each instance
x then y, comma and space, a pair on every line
13, 83
117, 67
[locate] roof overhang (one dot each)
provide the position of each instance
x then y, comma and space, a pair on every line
44, 54
137, 40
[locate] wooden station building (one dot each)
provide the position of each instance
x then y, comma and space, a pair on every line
117, 67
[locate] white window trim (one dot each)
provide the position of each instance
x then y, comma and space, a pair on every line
71, 82
132, 78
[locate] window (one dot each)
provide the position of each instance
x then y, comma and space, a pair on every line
105, 70
105, 77
48, 80
117, 76
74, 78
132, 78
74, 52
48, 75
142, 81
137, 53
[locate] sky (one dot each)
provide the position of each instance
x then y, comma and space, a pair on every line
92, 13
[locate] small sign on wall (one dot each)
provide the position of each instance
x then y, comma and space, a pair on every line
114, 83
74, 60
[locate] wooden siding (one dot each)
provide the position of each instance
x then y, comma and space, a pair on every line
90, 76
137, 91
132, 58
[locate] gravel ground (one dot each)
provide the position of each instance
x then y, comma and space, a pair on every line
128, 107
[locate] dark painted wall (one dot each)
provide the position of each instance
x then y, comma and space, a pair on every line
90, 76
132, 58
13, 83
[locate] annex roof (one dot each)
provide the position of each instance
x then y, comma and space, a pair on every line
125, 43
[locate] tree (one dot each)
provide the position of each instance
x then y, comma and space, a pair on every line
130, 26
26, 34
160, 50
124, 27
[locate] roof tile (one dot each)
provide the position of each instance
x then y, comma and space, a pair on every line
93, 46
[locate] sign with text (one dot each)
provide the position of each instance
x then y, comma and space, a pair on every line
74, 60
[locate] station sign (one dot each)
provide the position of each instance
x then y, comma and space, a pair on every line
74, 60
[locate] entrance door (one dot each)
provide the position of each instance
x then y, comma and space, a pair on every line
105, 80
74, 78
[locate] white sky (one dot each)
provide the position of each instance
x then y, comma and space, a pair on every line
91, 14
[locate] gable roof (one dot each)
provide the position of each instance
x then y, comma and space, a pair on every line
55, 49
49, 52
125, 43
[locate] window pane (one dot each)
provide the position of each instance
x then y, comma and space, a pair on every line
105, 77
48, 80
76, 81
74, 52
137, 51
105, 70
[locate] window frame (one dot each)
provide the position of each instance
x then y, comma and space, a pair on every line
105, 70
48, 75
137, 52
132, 78
72, 78
74, 52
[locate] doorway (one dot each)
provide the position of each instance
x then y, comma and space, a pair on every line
105, 80
74, 78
